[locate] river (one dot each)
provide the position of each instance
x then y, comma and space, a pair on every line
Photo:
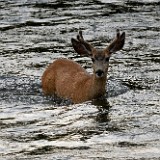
124, 125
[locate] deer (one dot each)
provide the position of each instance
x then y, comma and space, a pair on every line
69, 80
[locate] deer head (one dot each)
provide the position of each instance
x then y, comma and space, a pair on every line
100, 57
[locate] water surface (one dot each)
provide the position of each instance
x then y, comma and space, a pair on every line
124, 125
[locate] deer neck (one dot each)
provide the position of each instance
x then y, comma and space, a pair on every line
98, 85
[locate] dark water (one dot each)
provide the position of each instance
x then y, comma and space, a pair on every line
126, 125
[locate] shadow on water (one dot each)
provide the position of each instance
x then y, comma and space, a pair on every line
103, 109
23, 89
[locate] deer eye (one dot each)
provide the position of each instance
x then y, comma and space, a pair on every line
93, 60
107, 59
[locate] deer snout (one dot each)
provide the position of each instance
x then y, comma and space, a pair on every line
99, 73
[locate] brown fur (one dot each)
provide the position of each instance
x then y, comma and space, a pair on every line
67, 79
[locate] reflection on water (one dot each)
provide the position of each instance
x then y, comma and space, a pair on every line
122, 125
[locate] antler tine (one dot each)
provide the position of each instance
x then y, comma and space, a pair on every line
80, 37
80, 33
118, 33
117, 43
85, 43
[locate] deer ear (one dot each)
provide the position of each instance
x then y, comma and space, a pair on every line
79, 47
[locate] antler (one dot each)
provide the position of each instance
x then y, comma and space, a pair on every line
81, 46
118, 43
85, 43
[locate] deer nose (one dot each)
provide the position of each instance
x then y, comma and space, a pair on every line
99, 73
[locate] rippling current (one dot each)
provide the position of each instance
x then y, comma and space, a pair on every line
123, 125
